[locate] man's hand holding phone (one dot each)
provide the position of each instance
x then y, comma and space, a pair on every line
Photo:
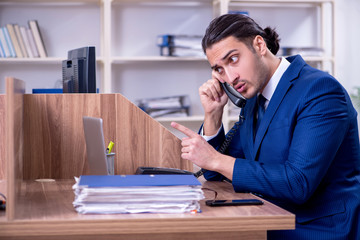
213, 100
212, 96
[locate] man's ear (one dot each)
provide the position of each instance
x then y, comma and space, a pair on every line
259, 45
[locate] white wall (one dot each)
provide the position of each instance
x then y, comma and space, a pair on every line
347, 48
347, 42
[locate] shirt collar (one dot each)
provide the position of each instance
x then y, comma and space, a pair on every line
274, 80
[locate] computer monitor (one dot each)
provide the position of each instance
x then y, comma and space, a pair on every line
79, 71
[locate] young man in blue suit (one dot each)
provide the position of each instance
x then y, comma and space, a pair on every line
304, 155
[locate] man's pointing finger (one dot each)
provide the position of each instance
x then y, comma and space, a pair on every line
183, 129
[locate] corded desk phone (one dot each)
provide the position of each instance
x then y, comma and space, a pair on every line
161, 170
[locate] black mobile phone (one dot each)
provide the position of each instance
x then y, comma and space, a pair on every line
238, 99
234, 202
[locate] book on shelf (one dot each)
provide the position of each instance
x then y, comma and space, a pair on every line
181, 52
26, 40
34, 26
33, 47
114, 194
2, 50
183, 40
6, 41
4, 44
178, 106
20, 40
14, 40
2, 53
180, 45
10, 43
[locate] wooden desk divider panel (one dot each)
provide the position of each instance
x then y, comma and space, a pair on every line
15, 90
3, 164
54, 136
143, 141
54, 144
2, 138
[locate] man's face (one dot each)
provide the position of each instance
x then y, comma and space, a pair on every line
233, 62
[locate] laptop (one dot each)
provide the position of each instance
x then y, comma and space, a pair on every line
95, 146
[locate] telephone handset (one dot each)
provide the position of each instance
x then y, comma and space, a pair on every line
238, 99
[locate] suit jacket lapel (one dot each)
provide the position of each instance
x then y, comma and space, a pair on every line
269, 114
285, 83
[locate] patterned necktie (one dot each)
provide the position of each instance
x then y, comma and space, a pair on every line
260, 105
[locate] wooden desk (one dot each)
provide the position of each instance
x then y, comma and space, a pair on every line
47, 213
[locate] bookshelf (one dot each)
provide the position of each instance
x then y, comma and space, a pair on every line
124, 33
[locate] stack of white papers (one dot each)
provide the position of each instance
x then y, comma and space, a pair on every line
137, 194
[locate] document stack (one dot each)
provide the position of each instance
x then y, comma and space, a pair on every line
100, 194
173, 106
180, 45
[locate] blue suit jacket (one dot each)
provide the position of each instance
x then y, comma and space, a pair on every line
305, 157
